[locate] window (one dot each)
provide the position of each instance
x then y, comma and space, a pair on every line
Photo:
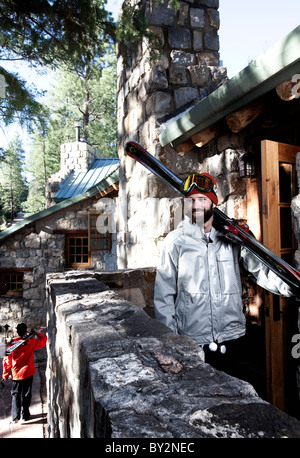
11, 283
100, 237
77, 250
80, 243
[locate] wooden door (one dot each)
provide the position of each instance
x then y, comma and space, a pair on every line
278, 189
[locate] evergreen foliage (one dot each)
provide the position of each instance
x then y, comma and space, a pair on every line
76, 38
13, 186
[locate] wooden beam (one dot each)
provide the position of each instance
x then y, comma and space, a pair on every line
205, 136
184, 147
240, 119
288, 90
200, 139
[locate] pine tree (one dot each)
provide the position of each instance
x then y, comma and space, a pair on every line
88, 95
12, 183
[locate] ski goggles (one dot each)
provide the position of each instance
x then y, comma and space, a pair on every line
203, 183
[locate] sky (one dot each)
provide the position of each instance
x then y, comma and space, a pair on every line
247, 30
250, 28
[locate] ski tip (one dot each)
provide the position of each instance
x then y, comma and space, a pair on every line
132, 148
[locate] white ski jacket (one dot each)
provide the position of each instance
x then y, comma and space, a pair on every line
198, 290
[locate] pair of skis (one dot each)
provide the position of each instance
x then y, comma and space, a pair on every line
232, 228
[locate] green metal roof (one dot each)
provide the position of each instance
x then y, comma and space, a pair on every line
108, 181
78, 182
277, 65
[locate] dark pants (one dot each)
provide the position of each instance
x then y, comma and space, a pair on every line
245, 358
232, 362
21, 398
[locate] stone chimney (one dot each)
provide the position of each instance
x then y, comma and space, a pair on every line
77, 156
148, 96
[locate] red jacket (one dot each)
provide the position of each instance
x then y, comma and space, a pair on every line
21, 361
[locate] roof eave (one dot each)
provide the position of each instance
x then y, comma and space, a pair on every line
97, 189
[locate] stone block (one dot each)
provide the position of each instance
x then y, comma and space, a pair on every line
161, 14
179, 38
208, 58
158, 103
213, 18
148, 132
183, 16
197, 18
184, 95
211, 41
211, 3
182, 58
197, 40
156, 79
134, 118
32, 242
177, 75
199, 74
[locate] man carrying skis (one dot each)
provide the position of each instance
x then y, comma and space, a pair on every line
198, 290
20, 364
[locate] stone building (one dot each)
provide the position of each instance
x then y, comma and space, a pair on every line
245, 132
75, 231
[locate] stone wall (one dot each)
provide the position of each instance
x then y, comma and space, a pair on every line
39, 249
114, 372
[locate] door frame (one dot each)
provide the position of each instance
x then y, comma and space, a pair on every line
272, 153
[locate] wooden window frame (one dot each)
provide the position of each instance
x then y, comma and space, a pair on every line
78, 236
97, 240
3, 282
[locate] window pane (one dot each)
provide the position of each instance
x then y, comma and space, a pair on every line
286, 182
286, 228
11, 283
93, 219
99, 241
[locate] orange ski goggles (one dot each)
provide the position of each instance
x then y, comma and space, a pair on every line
203, 183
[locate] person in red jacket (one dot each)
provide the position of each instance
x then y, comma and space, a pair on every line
20, 364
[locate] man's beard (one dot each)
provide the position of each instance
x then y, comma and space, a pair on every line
203, 216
